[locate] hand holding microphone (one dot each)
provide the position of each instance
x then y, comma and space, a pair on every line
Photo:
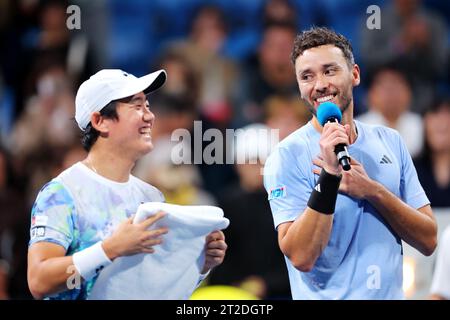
334, 139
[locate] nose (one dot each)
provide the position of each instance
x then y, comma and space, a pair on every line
148, 116
321, 84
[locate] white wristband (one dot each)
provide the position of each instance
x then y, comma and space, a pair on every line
90, 261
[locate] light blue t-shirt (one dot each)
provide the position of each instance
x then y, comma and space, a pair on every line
79, 208
363, 258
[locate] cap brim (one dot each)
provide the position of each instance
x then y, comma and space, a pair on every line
146, 84
155, 79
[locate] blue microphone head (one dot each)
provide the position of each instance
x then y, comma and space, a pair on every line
328, 110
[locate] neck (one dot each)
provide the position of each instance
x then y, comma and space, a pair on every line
347, 118
111, 165
441, 168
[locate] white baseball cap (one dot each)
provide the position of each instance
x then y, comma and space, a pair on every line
108, 85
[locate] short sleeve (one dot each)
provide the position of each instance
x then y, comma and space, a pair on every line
287, 185
411, 190
52, 216
441, 277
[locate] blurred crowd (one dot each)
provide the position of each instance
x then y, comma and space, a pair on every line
228, 65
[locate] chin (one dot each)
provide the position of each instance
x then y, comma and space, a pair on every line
148, 148
145, 148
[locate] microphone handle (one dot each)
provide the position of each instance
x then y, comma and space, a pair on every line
342, 152
343, 156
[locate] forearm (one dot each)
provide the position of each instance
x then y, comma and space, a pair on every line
52, 276
306, 238
416, 228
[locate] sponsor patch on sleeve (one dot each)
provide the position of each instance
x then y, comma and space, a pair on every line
39, 221
276, 193
37, 232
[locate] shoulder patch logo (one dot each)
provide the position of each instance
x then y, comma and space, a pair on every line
279, 192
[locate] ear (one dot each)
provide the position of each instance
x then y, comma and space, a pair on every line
356, 79
99, 123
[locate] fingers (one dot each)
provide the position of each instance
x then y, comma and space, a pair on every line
339, 140
355, 162
347, 129
215, 235
329, 126
333, 126
151, 242
215, 247
219, 244
151, 234
152, 238
212, 262
318, 162
332, 130
151, 220
338, 134
130, 219
215, 253
148, 250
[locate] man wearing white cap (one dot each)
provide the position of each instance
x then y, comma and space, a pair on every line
82, 219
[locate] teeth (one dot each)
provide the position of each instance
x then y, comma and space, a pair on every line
326, 98
145, 131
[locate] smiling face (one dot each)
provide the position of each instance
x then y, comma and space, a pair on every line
323, 74
132, 132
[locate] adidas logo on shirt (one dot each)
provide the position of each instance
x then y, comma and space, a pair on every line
385, 159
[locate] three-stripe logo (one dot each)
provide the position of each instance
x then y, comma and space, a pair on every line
385, 159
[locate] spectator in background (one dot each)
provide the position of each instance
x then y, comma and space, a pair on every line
412, 37
190, 79
47, 119
38, 31
6, 111
217, 74
270, 73
56, 40
433, 166
440, 286
279, 11
183, 82
13, 234
286, 113
389, 99
254, 261
181, 183
18, 29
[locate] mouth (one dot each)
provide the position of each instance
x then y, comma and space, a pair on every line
146, 131
324, 98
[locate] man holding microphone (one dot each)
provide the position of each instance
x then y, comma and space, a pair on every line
341, 231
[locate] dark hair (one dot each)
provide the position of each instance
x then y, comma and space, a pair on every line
90, 134
439, 101
285, 25
319, 36
388, 66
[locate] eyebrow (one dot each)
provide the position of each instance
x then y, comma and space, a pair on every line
324, 66
138, 99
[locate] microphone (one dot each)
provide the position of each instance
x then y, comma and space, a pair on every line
330, 112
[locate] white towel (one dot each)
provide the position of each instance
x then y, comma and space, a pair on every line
173, 271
